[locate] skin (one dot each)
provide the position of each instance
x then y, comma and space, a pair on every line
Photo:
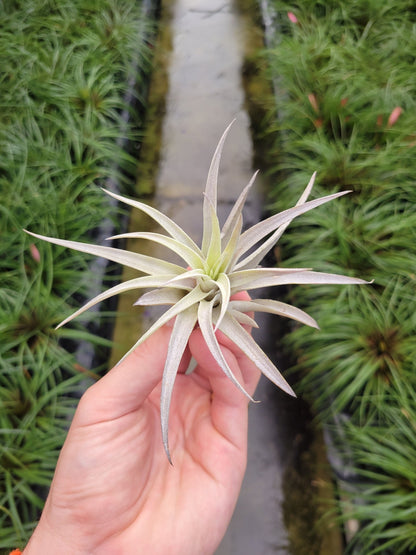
114, 491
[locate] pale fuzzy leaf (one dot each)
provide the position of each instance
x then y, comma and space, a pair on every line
304, 196
212, 178
160, 297
164, 221
223, 284
191, 257
214, 249
187, 280
192, 298
211, 190
205, 324
226, 261
253, 259
258, 231
182, 329
136, 283
188, 274
242, 279
140, 262
236, 211
265, 278
242, 317
275, 307
234, 331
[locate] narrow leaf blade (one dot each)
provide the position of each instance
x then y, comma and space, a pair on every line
164, 221
232, 329
257, 232
190, 256
140, 262
182, 329
275, 307
205, 323
136, 283
211, 190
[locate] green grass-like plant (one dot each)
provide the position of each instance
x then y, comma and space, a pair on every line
346, 108
66, 68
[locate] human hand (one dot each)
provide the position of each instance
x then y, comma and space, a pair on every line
114, 491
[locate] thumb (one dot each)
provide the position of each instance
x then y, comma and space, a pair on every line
126, 386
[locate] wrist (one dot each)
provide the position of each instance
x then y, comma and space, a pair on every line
47, 540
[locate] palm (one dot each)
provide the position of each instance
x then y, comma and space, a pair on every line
123, 488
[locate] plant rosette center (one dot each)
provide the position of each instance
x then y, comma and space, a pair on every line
209, 286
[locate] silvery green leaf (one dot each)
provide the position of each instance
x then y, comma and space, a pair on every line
242, 317
224, 286
226, 262
160, 297
189, 255
267, 279
214, 248
186, 280
182, 329
250, 279
232, 329
258, 231
141, 262
253, 259
206, 326
164, 221
136, 283
274, 307
236, 211
192, 298
211, 191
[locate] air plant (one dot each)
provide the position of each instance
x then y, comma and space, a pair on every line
200, 293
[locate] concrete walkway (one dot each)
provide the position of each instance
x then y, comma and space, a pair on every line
205, 94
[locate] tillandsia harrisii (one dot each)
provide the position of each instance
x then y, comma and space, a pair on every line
200, 293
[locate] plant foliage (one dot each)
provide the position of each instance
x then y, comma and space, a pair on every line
346, 108
66, 66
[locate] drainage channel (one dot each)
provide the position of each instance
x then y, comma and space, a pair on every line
204, 93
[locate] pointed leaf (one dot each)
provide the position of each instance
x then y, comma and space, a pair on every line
242, 281
274, 307
164, 221
189, 255
160, 297
253, 259
223, 284
182, 329
227, 259
242, 317
137, 283
187, 280
245, 279
192, 298
232, 329
211, 190
214, 250
236, 211
205, 324
257, 232
141, 262
212, 178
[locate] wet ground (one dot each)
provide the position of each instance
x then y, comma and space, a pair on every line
204, 93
